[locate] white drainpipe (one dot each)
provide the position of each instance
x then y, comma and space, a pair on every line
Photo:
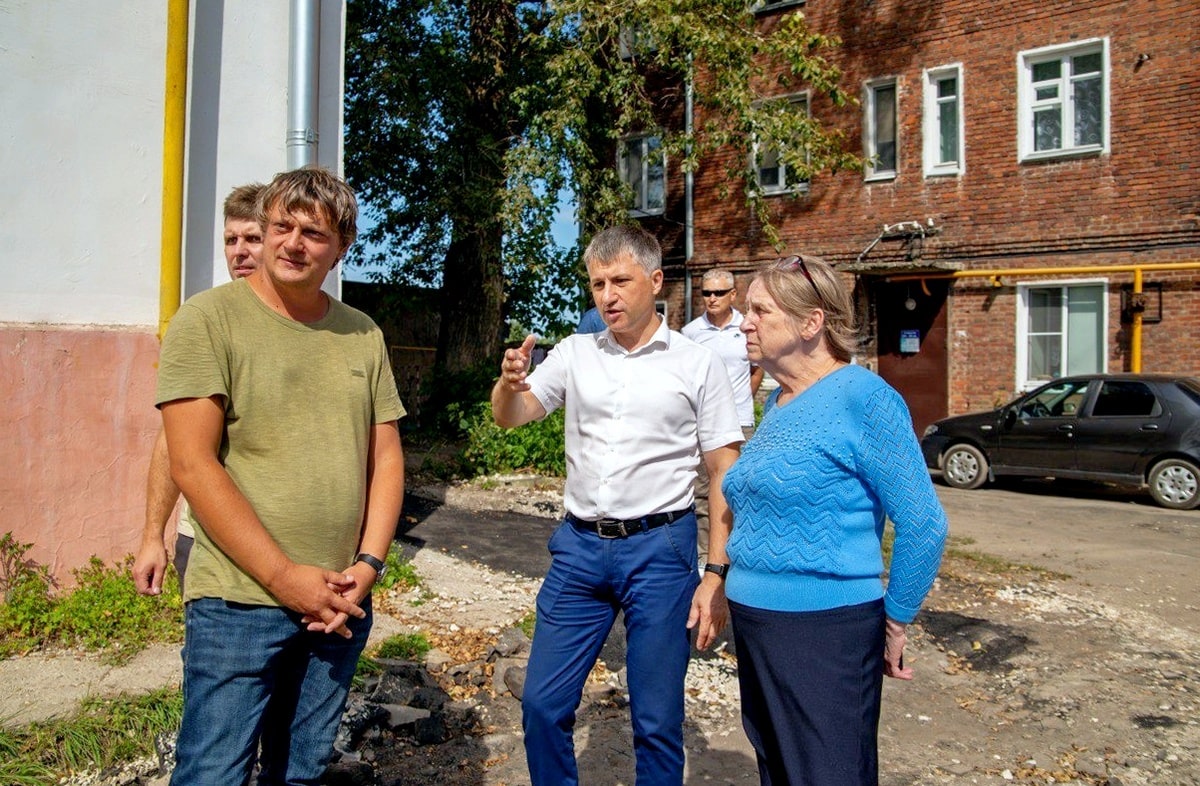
689, 215
304, 56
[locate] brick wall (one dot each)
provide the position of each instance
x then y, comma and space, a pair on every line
1137, 203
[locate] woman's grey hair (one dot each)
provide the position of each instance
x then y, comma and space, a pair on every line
614, 242
801, 284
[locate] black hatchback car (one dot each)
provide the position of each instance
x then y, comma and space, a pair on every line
1132, 429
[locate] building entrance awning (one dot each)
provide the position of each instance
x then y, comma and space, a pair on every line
905, 267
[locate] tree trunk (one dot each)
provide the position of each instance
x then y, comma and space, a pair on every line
472, 301
472, 318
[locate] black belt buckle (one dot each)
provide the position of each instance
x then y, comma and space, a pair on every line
611, 529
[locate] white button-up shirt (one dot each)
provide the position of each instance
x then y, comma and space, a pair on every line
636, 422
729, 342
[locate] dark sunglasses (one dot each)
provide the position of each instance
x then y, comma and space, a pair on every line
796, 262
716, 292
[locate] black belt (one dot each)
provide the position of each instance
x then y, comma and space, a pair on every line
623, 528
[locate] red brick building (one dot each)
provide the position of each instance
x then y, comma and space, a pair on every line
1027, 161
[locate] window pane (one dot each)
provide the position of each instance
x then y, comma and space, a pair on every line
1047, 129
1086, 64
885, 127
1045, 357
1051, 69
948, 133
1085, 323
769, 171
631, 170
1088, 100
655, 177
1124, 399
1045, 310
1047, 93
947, 88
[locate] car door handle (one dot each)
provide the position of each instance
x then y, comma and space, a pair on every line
1066, 427
1150, 427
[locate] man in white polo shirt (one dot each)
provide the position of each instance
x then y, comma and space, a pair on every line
719, 329
642, 406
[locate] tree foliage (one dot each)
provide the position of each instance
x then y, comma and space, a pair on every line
465, 119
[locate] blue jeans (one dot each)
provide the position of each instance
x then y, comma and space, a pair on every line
650, 576
240, 656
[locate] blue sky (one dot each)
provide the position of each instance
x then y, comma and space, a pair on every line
565, 231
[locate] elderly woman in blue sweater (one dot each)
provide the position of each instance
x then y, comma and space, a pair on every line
834, 457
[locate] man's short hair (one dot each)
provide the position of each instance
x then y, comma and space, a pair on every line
622, 239
310, 189
242, 202
715, 273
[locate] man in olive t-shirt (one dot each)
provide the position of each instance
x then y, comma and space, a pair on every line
280, 411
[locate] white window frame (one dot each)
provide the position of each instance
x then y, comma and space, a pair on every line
641, 197
1027, 101
634, 41
870, 145
931, 122
800, 186
1024, 382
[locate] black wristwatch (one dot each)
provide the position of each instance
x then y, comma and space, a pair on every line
713, 567
379, 565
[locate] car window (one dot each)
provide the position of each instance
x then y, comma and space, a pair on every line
1191, 388
1125, 398
1059, 400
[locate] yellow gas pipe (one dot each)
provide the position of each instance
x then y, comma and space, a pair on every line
174, 127
1135, 336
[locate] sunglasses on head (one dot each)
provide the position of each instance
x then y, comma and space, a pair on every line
716, 292
796, 262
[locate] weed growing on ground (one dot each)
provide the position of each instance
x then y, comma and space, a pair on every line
103, 612
527, 623
537, 446
400, 572
103, 732
404, 646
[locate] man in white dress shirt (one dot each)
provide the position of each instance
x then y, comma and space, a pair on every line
643, 405
720, 329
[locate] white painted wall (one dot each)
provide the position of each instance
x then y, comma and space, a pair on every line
81, 128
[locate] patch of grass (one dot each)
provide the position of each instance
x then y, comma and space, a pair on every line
526, 624
400, 572
989, 563
101, 734
366, 667
404, 646
103, 612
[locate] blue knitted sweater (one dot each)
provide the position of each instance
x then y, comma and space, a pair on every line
810, 494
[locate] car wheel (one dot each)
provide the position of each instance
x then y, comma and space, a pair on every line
964, 467
1175, 483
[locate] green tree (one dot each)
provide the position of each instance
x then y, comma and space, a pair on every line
466, 118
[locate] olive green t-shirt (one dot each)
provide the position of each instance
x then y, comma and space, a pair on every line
300, 401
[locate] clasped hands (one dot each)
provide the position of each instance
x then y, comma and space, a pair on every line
326, 599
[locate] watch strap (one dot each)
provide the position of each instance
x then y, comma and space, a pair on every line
379, 565
713, 567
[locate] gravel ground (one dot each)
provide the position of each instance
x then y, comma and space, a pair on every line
1024, 675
